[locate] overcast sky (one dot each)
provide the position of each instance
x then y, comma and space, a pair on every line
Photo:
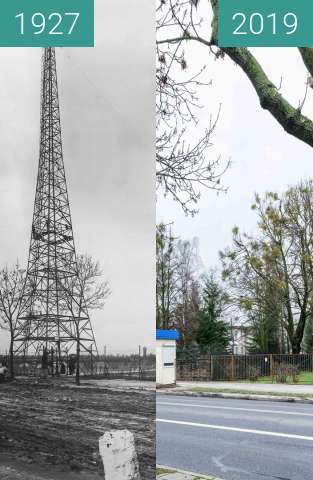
107, 108
263, 156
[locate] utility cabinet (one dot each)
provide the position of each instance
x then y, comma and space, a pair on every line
166, 357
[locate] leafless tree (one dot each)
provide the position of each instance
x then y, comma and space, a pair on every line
181, 24
183, 166
189, 290
11, 286
166, 281
178, 282
83, 293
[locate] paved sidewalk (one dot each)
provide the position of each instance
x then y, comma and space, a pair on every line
167, 473
245, 391
256, 387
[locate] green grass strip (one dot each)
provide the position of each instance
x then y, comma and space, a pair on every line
250, 392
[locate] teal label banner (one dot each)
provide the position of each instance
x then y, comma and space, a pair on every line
47, 23
265, 23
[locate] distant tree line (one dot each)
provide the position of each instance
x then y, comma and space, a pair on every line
266, 281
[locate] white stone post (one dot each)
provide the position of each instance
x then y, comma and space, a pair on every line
118, 452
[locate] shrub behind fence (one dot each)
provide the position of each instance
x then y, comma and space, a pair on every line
240, 367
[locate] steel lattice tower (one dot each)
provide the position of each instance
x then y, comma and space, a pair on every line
52, 312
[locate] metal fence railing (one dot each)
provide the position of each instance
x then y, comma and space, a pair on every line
119, 367
128, 367
272, 367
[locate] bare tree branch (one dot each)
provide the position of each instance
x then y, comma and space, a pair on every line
289, 117
182, 165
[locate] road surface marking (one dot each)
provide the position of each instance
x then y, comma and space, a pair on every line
235, 429
258, 410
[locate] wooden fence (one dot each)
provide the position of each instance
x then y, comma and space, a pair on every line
245, 367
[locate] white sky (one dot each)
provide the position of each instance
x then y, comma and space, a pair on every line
263, 156
107, 108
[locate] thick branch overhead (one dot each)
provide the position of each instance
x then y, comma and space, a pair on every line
289, 117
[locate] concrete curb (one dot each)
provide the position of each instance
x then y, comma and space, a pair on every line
239, 396
184, 472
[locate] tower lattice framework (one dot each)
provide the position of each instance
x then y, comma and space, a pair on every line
52, 312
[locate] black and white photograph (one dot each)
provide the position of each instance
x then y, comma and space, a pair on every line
77, 270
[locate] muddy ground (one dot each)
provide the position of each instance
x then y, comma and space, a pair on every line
49, 429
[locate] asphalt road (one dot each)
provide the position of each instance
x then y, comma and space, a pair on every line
236, 439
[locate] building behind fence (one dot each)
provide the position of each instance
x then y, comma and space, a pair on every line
241, 367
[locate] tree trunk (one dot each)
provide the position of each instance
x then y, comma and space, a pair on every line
294, 343
11, 359
296, 348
